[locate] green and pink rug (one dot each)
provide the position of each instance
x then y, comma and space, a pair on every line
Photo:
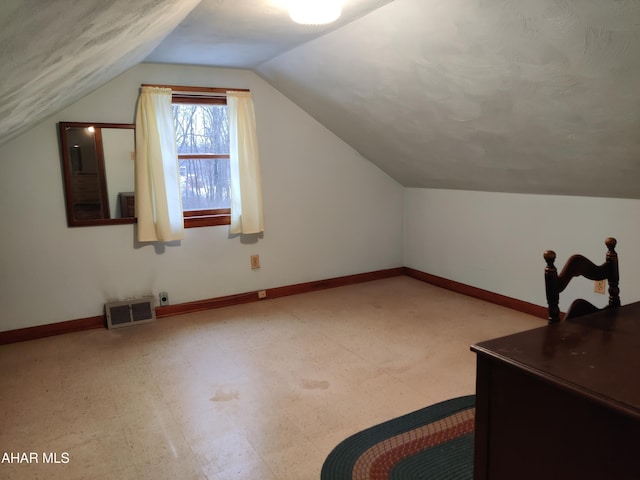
433, 443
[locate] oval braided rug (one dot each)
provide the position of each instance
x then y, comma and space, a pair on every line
433, 443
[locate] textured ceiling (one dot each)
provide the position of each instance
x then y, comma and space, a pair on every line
245, 33
53, 53
533, 96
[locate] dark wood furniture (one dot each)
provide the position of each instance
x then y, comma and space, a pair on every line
561, 401
578, 265
127, 204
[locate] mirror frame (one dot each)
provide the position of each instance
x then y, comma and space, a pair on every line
72, 221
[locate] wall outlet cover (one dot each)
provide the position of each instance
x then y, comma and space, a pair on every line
164, 298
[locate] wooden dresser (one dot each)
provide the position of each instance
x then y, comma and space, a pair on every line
561, 401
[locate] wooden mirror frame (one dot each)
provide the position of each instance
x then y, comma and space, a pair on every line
102, 205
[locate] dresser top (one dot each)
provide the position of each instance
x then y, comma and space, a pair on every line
597, 355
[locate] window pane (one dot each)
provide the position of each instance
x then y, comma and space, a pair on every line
201, 128
205, 183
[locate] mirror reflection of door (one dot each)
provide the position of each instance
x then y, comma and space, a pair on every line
87, 183
97, 160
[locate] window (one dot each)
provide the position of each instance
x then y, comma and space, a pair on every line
202, 140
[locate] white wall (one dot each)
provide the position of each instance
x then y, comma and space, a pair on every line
328, 212
495, 241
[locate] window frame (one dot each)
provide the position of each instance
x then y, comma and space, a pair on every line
205, 217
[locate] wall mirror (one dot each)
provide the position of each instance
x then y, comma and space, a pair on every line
98, 169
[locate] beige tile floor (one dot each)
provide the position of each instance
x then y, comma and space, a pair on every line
261, 391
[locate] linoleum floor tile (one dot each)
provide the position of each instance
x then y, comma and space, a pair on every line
257, 391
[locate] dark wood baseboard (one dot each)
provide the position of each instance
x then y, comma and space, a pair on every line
509, 302
271, 293
41, 331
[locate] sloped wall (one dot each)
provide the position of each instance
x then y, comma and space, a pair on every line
328, 212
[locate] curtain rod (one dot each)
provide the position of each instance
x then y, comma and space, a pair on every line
186, 89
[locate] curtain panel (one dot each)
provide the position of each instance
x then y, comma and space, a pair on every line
246, 186
157, 180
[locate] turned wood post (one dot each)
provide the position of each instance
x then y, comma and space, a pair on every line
552, 287
614, 276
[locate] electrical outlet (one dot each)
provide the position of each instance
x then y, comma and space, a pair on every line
164, 299
262, 294
600, 286
255, 261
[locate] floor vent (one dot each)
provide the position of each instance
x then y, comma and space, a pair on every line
130, 312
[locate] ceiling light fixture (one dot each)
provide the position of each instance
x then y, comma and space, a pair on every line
315, 12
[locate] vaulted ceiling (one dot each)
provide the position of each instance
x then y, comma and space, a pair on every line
530, 96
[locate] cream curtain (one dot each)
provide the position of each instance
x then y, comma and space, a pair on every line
246, 186
157, 181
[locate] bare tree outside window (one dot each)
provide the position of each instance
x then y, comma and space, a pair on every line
202, 139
